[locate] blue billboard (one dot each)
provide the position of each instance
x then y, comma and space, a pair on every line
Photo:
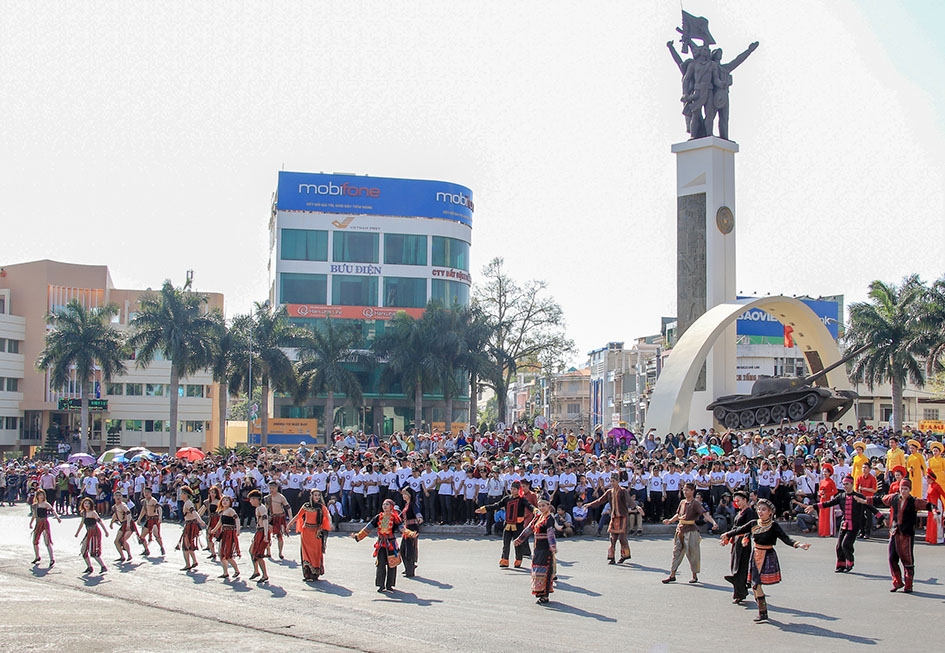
756, 322
351, 194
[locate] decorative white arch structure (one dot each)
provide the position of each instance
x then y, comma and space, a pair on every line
671, 403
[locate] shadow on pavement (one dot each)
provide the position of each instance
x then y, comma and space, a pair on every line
817, 631
429, 581
567, 587
569, 609
406, 597
800, 613
277, 591
237, 585
39, 572
198, 577
326, 587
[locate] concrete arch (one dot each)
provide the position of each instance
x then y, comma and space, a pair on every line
671, 402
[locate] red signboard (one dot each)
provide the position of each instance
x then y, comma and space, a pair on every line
320, 311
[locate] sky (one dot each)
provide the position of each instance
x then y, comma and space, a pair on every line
148, 137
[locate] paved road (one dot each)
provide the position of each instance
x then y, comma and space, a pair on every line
460, 601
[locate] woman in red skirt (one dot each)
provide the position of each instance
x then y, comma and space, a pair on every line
211, 508
192, 524
39, 522
257, 551
228, 532
91, 547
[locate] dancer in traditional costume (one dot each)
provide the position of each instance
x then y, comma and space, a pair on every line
826, 527
313, 523
386, 551
855, 508
514, 506
741, 547
280, 514
903, 515
211, 508
121, 515
410, 514
91, 547
151, 516
859, 461
260, 545
619, 499
764, 567
227, 531
867, 485
40, 510
192, 524
543, 557
687, 540
936, 494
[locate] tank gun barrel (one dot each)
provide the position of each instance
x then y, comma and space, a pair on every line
848, 357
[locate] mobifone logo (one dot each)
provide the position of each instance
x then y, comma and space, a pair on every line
455, 198
344, 190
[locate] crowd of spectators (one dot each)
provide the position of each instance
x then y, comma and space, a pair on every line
454, 474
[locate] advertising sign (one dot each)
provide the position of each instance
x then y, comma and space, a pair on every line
76, 404
756, 322
318, 311
287, 432
354, 195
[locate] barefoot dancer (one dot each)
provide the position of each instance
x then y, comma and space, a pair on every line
91, 547
39, 523
229, 534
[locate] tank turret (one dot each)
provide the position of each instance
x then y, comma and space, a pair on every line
794, 398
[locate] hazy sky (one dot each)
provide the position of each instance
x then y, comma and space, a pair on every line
148, 136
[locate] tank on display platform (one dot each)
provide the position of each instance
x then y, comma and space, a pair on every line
795, 398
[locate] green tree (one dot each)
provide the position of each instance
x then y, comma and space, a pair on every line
269, 334
176, 323
406, 347
932, 324
325, 359
527, 325
890, 323
229, 349
83, 340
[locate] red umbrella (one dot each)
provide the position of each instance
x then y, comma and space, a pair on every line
190, 453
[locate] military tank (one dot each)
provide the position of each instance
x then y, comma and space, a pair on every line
795, 398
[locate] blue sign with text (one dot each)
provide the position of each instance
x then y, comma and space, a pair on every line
756, 322
353, 195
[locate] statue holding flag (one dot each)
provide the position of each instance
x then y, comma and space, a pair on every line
705, 79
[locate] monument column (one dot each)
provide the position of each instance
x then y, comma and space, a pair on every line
705, 256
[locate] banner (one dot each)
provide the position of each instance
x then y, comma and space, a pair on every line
320, 311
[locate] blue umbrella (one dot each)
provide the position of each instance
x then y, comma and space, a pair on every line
704, 450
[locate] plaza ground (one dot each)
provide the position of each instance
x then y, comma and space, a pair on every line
460, 600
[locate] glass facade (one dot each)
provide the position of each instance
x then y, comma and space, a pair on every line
451, 253
405, 292
298, 288
304, 245
355, 247
450, 293
405, 249
351, 290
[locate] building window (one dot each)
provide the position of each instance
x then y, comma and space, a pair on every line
449, 293
154, 390
885, 412
299, 288
3, 305
405, 292
13, 385
133, 425
154, 426
114, 389
930, 414
194, 391
353, 290
13, 347
190, 427
304, 245
450, 253
574, 409
12, 423
134, 389
3, 345
405, 249
355, 247
864, 411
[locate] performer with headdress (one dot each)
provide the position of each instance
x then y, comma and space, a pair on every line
543, 557
226, 529
40, 510
764, 566
514, 504
619, 499
854, 507
936, 493
915, 463
903, 515
825, 492
386, 551
313, 524
859, 460
91, 547
898, 473
741, 547
410, 515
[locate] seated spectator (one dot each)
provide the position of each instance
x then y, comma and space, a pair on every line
604, 520
635, 516
805, 522
563, 524
724, 512
579, 516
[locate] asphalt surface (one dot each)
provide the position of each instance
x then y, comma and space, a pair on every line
460, 600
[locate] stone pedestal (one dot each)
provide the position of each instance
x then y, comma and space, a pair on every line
705, 256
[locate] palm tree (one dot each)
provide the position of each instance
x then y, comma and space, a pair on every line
477, 334
405, 346
889, 322
269, 334
448, 345
227, 350
326, 357
83, 340
176, 323
933, 327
